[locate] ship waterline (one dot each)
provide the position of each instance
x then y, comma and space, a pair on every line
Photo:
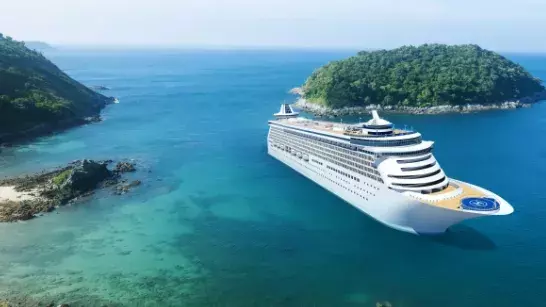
389, 174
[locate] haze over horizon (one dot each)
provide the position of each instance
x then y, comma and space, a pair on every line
342, 24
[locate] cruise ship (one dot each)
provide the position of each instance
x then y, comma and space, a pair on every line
390, 174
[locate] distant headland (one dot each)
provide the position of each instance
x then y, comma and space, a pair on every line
426, 79
36, 97
38, 46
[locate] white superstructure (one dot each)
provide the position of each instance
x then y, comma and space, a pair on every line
389, 174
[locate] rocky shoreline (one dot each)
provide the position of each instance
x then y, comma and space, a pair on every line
320, 110
46, 128
23, 198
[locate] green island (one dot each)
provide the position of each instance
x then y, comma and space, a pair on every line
421, 77
36, 97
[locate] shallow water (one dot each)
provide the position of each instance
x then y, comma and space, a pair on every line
217, 222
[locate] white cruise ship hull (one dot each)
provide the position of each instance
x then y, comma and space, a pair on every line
389, 207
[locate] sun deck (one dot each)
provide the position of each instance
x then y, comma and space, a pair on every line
452, 197
336, 128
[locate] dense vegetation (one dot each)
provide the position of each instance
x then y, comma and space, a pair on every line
427, 75
33, 91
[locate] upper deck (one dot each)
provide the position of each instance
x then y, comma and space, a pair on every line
337, 129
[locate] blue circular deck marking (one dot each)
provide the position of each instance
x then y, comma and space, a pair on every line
479, 204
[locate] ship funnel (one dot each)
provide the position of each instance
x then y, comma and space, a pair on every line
375, 115
286, 111
377, 125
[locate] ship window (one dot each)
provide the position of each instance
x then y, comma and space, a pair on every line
418, 185
418, 167
415, 176
414, 160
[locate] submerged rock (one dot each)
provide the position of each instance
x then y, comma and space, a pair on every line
125, 167
124, 188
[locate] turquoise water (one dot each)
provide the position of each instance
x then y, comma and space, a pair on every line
218, 222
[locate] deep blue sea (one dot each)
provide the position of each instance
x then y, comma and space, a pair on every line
217, 222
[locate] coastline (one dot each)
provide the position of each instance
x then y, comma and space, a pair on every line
47, 128
321, 110
44, 129
29, 196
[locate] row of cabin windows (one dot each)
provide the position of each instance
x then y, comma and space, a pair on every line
331, 159
340, 145
411, 153
415, 176
334, 157
435, 190
413, 160
417, 168
350, 155
343, 173
353, 177
346, 159
384, 142
313, 147
325, 156
419, 185
387, 143
352, 191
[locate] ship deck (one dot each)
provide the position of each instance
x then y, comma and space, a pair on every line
335, 128
454, 202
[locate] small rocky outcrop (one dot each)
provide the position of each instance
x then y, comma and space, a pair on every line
383, 304
81, 178
124, 188
296, 91
45, 191
93, 119
125, 167
100, 87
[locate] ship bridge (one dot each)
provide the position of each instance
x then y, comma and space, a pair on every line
404, 160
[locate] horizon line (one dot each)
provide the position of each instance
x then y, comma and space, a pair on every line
104, 46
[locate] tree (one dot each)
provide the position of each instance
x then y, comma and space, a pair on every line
425, 75
33, 91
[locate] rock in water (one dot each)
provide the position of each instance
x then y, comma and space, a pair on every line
100, 87
122, 189
85, 176
124, 167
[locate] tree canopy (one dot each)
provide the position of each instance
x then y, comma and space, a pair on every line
34, 91
426, 75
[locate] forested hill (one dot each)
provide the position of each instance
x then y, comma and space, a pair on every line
35, 93
422, 76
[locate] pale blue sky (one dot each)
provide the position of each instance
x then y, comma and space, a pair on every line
500, 25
